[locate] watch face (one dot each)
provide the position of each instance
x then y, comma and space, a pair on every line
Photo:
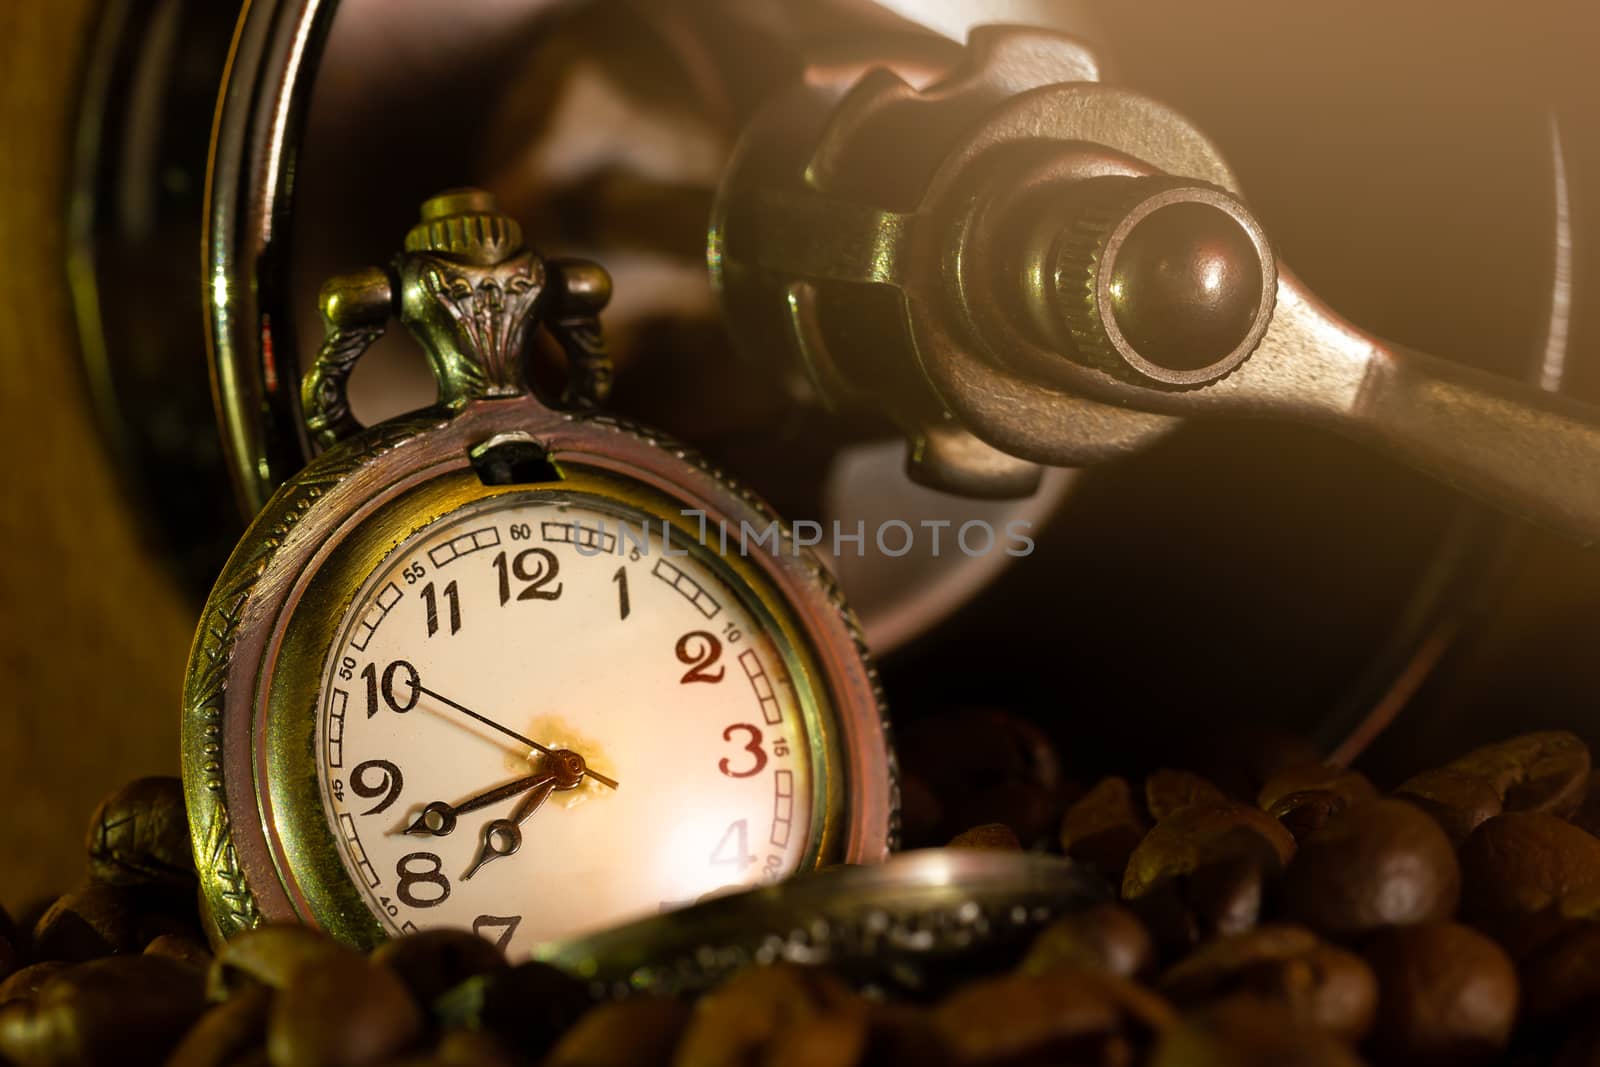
540, 717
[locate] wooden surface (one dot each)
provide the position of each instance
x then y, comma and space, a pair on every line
92, 636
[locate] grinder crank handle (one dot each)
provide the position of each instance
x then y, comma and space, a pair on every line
1165, 297
1534, 453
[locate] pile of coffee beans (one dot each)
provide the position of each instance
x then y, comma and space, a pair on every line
1280, 912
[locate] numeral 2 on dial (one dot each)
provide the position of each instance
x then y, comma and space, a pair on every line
700, 650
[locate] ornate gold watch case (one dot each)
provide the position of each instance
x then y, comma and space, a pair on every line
265, 847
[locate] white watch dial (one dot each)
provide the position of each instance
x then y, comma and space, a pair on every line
524, 623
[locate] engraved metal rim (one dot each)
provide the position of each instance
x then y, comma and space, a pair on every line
928, 903
239, 878
1105, 310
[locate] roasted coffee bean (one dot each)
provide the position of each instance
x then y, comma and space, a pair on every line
228, 1031
1196, 836
983, 765
471, 1048
1535, 772
978, 747
1447, 996
989, 836
640, 1032
1587, 816
87, 923
1106, 937
1167, 791
343, 1009
433, 962
1316, 983
164, 914
1206, 874
1459, 800
1032, 811
1518, 868
121, 1010
1242, 762
527, 1006
181, 948
781, 1013
29, 980
1562, 978
269, 956
1305, 797
1061, 1015
139, 836
1382, 863
10, 957
1104, 827
1350, 785
1204, 871
1227, 895
1173, 925
1245, 1031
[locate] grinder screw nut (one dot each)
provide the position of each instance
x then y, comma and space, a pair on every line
1158, 280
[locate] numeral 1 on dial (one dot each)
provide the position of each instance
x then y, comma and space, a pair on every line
621, 578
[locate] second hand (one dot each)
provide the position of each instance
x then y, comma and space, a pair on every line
536, 746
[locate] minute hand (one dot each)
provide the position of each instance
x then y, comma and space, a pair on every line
536, 746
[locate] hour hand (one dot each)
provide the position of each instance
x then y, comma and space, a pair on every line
438, 818
502, 837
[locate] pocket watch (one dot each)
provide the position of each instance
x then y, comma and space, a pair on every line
518, 667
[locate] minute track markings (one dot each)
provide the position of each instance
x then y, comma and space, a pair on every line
595, 541
382, 604
464, 544
687, 587
771, 711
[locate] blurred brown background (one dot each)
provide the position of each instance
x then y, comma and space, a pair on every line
93, 634
1398, 154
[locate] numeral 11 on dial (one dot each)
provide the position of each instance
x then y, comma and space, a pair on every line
431, 599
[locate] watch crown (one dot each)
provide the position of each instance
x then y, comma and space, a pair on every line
465, 224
